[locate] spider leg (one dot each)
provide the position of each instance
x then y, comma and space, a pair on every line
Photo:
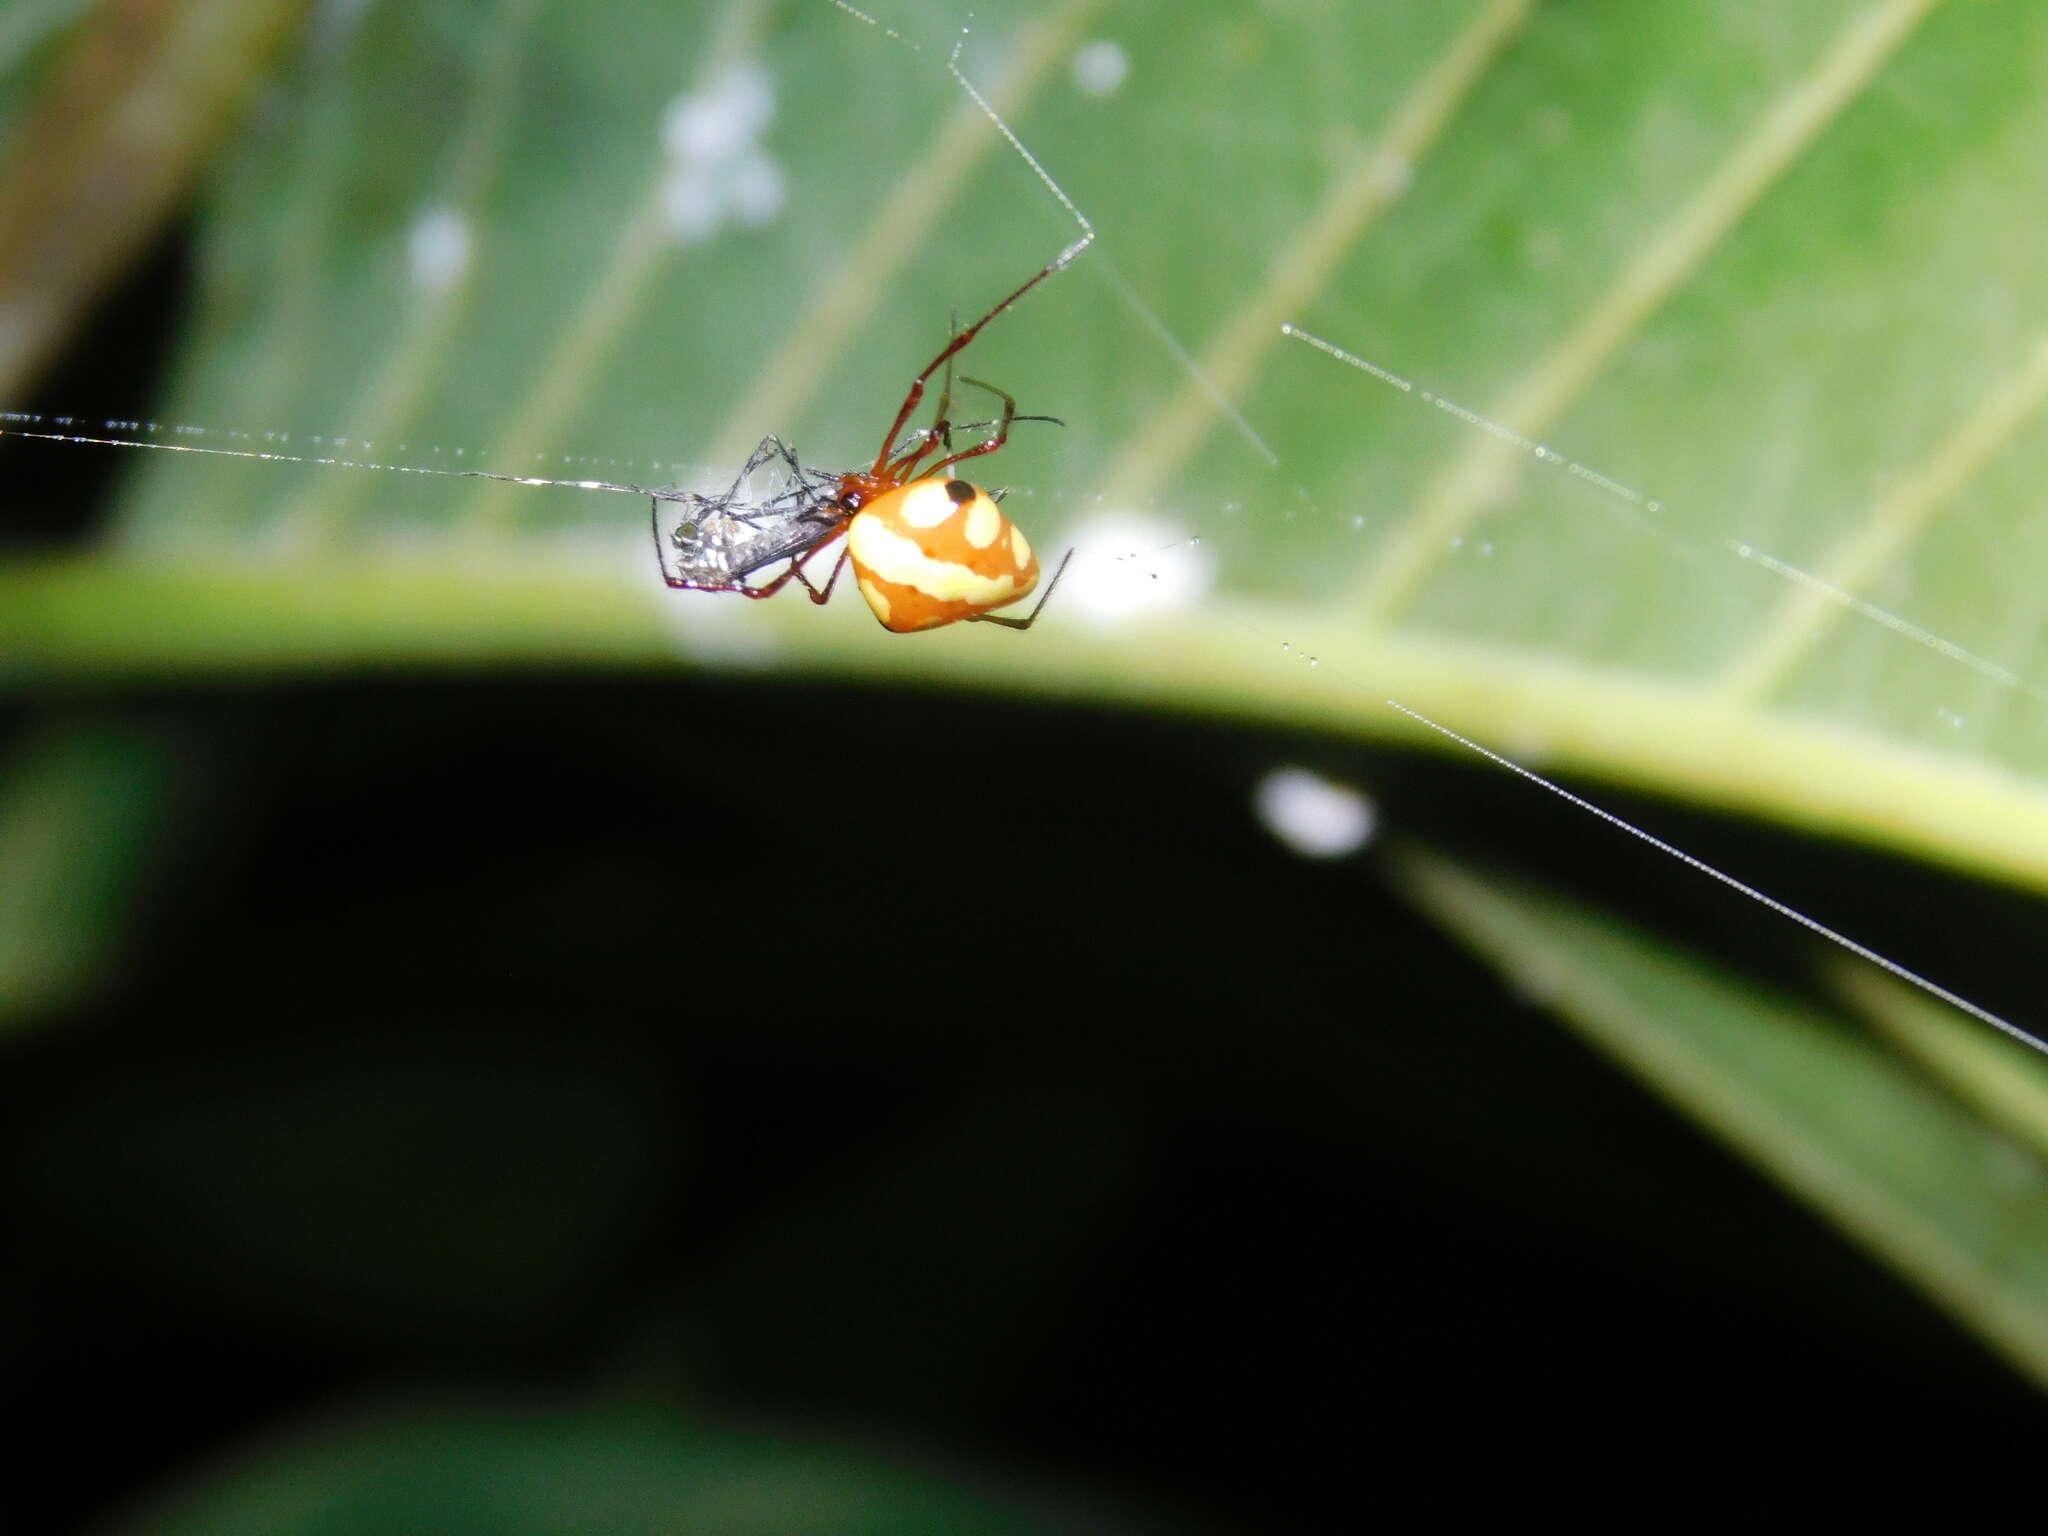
989, 444
796, 571
900, 470
831, 581
1030, 618
942, 429
939, 433
961, 341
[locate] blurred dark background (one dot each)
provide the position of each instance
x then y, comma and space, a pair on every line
934, 1074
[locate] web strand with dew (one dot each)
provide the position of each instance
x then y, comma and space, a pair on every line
1630, 497
1653, 508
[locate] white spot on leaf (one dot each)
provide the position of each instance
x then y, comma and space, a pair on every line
717, 169
1312, 815
691, 207
438, 248
757, 189
1393, 174
723, 120
1100, 67
1127, 566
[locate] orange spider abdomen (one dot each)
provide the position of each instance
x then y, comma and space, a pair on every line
936, 551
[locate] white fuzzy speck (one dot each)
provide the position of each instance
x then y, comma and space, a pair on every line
722, 120
756, 188
1100, 67
691, 206
1127, 565
438, 248
715, 626
1393, 173
718, 170
1317, 818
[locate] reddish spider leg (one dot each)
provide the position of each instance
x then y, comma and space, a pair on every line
887, 474
938, 430
876, 476
1030, 618
942, 430
858, 487
796, 570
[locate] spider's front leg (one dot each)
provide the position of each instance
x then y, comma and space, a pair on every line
989, 445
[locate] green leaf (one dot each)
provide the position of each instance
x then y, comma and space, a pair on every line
502, 1473
78, 804
2006, 1082
1776, 266
1949, 1200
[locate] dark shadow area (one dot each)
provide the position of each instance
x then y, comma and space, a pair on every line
58, 495
932, 1072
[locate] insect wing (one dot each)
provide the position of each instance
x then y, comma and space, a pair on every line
718, 544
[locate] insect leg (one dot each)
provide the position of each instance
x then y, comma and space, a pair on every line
796, 571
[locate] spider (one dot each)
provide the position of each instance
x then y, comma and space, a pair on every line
927, 548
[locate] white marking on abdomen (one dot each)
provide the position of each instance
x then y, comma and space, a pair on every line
894, 558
